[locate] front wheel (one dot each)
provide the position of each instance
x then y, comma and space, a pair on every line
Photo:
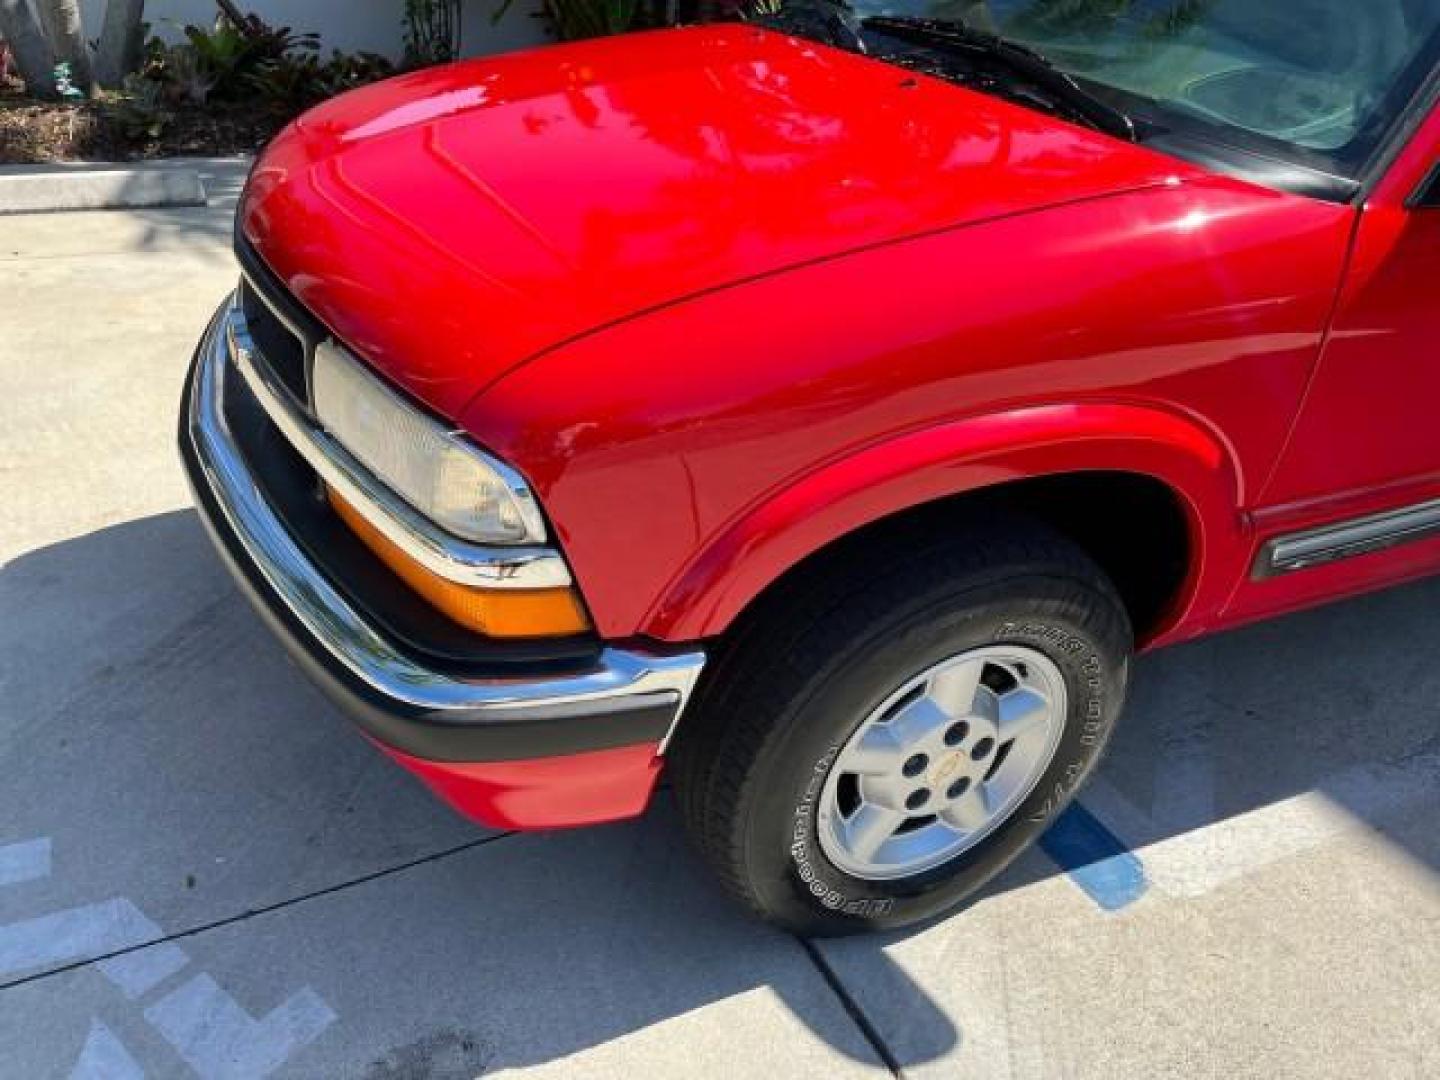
871, 748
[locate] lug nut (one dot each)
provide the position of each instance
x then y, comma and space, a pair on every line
918, 798
982, 749
955, 733
915, 765
958, 788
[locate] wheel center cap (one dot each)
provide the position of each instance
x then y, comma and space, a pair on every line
945, 768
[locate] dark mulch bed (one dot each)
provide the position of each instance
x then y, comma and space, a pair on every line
35, 132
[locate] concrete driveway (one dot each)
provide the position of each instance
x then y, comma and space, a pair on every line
204, 871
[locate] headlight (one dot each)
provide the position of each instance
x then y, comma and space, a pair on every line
435, 470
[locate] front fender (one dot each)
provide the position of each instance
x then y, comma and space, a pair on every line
768, 538
690, 455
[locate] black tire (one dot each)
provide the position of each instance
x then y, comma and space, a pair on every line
799, 674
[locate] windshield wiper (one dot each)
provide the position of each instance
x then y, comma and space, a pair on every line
957, 37
830, 22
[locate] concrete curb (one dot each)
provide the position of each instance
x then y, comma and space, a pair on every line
42, 190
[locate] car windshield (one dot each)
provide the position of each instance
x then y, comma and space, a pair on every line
1316, 81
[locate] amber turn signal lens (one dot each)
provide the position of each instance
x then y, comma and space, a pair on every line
508, 613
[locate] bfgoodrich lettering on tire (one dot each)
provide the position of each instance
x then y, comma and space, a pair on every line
872, 745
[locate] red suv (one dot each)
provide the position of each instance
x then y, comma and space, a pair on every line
822, 412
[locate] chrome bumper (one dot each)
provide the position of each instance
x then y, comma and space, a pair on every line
621, 679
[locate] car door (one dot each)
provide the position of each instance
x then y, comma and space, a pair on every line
1354, 499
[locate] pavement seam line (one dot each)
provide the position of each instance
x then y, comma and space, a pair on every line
230, 920
852, 1008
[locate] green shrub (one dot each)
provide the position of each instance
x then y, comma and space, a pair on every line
432, 32
576, 20
244, 62
304, 79
141, 108
229, 57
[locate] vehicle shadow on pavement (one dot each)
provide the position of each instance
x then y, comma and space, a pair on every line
1242, 749
167, 752
169, 755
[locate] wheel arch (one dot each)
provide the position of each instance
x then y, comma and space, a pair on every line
1071, 465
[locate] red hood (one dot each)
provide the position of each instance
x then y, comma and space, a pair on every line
452, 223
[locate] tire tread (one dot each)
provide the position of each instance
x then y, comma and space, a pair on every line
765, 667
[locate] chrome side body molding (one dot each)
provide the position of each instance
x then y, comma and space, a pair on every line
1347, 539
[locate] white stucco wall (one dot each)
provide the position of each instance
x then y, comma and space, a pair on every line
372, 25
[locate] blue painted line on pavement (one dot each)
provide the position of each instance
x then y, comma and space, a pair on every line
1095, 859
